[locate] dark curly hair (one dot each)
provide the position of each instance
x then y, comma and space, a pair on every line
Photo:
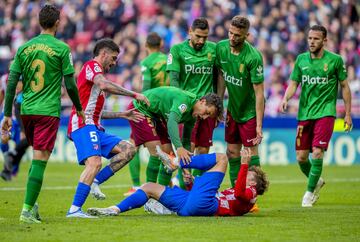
214, 99
262, 183
48, 16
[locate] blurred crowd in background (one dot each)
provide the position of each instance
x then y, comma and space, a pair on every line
278, 30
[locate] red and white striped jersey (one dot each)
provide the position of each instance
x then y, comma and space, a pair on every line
238, 200
92, 98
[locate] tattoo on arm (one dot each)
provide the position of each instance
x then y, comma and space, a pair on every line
109, 115
111, 87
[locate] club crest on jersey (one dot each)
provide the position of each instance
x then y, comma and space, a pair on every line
241, 68
89, 73
97, 68
209, 56
170, 59
182, 108
326, 67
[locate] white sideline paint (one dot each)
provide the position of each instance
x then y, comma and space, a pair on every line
298, 181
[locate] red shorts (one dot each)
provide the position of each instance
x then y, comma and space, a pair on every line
41, 131
202, 132
314, 133
148, 130
240, 133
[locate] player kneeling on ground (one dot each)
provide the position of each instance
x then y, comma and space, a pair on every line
202, 200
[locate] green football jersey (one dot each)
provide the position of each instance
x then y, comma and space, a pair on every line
164, 100
319, 79
195, 67
153, 69
42, 62
240, 72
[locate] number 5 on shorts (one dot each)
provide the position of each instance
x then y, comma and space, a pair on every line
93, 136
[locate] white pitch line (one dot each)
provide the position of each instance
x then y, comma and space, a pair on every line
298, 181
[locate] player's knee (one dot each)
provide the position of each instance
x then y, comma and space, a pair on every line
148, 188
317, 153
94, 164
301, 157
221, 158
232, 153
202, 150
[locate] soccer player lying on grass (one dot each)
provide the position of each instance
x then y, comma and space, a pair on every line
202, 200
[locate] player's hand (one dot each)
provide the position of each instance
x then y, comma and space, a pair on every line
283, 105
348, 125
6, 125
245, 155
259, 135
81, 114
133, 115
184, 155
142, 98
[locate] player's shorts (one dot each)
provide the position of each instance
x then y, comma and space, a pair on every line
91, 141
314, 133
200, 201
41, 131
148, 130
240, 133
202, 132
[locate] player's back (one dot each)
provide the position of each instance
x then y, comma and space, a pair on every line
230, 205
153, 68
42, 62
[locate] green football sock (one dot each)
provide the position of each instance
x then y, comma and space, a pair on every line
234, 167
255, 161
164, 178
152, 169
134, 167
34, 183
197, 172
315, 173
305, 167
181, 179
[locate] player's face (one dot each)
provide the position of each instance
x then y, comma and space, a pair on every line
198, 38
316, 41
250, 179
110, 60
237, 36
203, 111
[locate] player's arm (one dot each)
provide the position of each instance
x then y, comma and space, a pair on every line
241, 192
173, 131
146, 76
346, 93
174, 78
260, 108
220, 85
289, 93
130, 114
110, 87
215, 78
72, 91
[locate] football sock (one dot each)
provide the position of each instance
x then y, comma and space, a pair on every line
305, 167
197, 172
135, 200
234, 167
164, 177
255, 161
202, 162
34, 183
315, 173
104, 174
181, 179
82, 192
134, 167
152, 169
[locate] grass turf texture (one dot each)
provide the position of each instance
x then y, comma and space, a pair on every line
336, 216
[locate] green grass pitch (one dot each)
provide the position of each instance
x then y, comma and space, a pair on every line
336, 216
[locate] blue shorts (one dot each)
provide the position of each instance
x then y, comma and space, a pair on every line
200, 201
90, 141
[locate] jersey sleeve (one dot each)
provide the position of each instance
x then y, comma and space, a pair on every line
173, 60
296, 73
67, 62
241, 191
15, 65
341, 70
179, 107
146, 76
257, 69
92, 69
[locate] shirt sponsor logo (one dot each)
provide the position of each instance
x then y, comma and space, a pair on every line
169, 59
182, 108
306, 79
198, 70
232, 80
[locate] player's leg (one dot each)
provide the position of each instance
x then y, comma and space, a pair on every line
164, 177
234, 145
43, 143
135, 200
